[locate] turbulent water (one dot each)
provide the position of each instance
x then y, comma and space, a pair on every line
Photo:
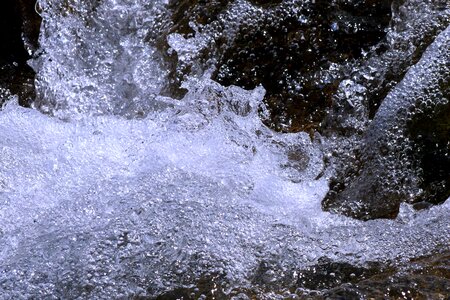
110, 190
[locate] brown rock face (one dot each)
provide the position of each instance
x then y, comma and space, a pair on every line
297, 50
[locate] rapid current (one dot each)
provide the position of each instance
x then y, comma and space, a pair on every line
109, 190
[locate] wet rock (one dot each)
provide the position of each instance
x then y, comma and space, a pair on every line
424, 278
207, 287
302, 52
413, 27
329, 274
199, 11
183, 15
19, 31
405, 151
326, 66
31, 23
430, 133
421, 278
298, 50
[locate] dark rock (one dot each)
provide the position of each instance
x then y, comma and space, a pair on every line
421, 278
413, 27
326, 66
182, 14
207, 287
424, 278
19, 31
430, 133
405, 153
297, 50
31, 23
291, 50
327, 274
199, 11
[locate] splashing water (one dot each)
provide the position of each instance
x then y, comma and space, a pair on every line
108, 189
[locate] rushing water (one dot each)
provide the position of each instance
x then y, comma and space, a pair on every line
109, 190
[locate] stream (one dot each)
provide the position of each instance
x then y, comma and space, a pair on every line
113, 188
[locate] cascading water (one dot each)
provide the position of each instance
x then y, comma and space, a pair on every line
110, 190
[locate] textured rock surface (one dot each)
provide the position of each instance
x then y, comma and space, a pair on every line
297, 50
413, 27
405, 151
422, 278
326, 66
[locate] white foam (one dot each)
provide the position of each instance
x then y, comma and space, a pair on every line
198, 186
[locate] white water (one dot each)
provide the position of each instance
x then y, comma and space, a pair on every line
93, 196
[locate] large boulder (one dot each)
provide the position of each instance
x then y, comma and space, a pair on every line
326, 66
405, 154
298, 50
